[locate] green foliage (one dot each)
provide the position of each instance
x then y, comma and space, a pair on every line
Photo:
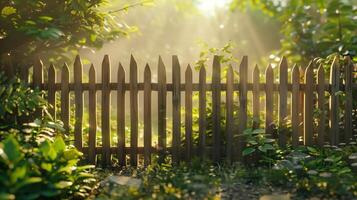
311, 28
50, 28
258, 141
163, 181
18, 101
44, 171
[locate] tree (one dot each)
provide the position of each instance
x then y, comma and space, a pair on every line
54, 28
312, 28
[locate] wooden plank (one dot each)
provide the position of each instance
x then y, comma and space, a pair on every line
92, 116
349, 99
216, 108
269, 100
52, 90
202, 113
229, 114
121, 115
106, 110
133, 111
37, 79
176, 109
321, 129
147, 115
309, 105
256, 97
295, 107
301, 101
188, 113
242, 113
334, 102
162, 93
78, 98
283, 101
65, 97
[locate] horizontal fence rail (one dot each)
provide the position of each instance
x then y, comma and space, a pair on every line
298, 97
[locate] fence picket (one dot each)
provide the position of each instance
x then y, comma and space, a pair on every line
321, 129
243, 93
188, 113
133, 111
52, 90
295, 107
65, 97
256, 97
269, 95
162, 93
106, 110
202, 112
216, 108
147, 115
37, 79
348, 97
121, 115
334, 103
92, 116
176, 109
301, 102
229, 114
78, 96
283, 101
308, 105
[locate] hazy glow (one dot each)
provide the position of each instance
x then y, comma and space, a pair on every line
208, 7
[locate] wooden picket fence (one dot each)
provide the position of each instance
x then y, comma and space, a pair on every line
306, 96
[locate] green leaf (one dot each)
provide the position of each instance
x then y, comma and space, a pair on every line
8, 10
248, 151
59, 144
45, 18
63, 184
12, 149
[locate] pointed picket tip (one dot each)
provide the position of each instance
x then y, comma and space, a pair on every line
309, 67
132, 59
91, 69
147, 68
256, 69
121, 68
296, 70
106, 60
77, 61
188, 69
230, 69
283, 62
216, 60
65, 67
175, 61
269, 69
321, 70
52, 68
161, 67
161, 63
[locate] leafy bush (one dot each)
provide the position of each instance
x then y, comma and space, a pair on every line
35, 162
49, 170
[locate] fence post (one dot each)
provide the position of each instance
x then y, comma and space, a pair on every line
162, 93
147, 115
321, 105
176, 110
334, 102
283, 92
202, 112
121, 115
92, 116
216, 108
106, 110
308, 105
133, 111
295, 109
78, 93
